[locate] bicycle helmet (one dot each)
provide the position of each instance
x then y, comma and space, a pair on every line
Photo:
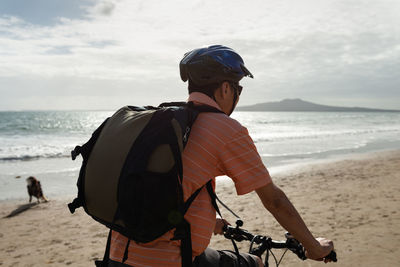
213, 64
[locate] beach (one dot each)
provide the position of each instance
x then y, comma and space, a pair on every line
353, 200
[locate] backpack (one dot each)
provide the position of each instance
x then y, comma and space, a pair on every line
131, 175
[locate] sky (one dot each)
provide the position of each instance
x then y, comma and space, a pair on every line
103, 54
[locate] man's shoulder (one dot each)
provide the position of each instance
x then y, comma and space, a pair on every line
223, 122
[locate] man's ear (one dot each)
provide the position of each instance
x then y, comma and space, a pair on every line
225, 87
222, 91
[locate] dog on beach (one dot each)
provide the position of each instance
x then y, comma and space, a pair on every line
35, 189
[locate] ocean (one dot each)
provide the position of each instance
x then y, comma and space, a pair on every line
38, 143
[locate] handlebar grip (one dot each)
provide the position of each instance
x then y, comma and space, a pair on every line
332, 256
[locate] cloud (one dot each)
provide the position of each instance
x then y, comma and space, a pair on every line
309, 47
105, 8
59, 50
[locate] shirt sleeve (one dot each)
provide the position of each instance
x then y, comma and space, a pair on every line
241, 162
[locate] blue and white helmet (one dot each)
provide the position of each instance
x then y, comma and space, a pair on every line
213, 64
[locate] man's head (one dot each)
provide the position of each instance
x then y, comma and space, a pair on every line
216, 71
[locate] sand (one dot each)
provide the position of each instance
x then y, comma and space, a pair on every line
354, 201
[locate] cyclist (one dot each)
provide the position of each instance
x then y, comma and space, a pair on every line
218, 145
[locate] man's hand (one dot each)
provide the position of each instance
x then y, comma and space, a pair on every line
276, 202
219, 226
323, 250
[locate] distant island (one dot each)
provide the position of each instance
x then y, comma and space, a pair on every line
301, 105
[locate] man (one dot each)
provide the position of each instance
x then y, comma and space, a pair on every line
218, 145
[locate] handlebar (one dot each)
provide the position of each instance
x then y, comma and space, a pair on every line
266, 243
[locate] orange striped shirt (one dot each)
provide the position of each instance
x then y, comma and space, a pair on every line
218, 145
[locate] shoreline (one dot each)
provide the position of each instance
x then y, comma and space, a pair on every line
58, 176
353, 201
331, 158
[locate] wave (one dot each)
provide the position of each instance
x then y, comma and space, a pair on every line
282, 136
314, 152
32, 157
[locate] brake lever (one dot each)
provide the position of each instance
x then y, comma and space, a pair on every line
295, 246
300, 251
236, 233
332, 256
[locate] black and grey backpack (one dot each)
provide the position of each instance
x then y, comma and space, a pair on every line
131, 175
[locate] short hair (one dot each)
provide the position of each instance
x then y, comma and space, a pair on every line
208, 89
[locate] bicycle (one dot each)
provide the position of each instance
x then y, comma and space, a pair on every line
265, 244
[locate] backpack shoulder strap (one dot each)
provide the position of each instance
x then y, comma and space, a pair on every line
204, 108
190, 104
106, 257
183, 231
172, 104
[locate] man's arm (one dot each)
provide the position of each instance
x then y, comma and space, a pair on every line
276, 202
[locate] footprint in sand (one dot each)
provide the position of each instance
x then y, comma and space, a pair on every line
56, 241
11, 249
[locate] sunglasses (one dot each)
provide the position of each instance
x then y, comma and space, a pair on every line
238, 88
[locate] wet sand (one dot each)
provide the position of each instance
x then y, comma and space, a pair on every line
354, 201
